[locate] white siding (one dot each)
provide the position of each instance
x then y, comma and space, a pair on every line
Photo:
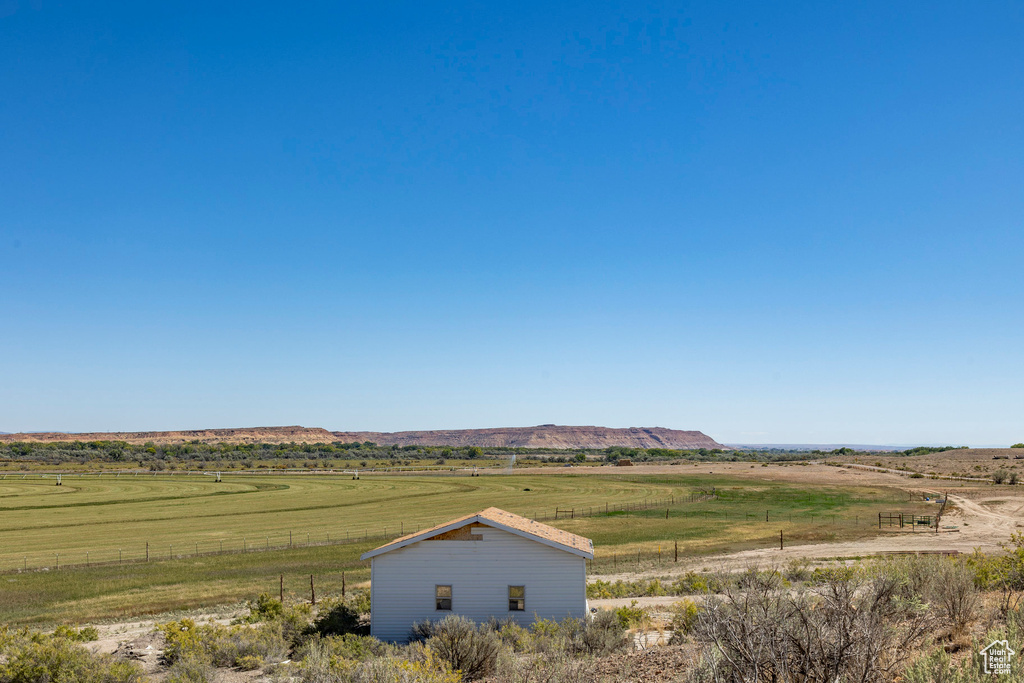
480, 572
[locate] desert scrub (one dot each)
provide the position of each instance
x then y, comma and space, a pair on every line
689, 583
263, 608
464, 647
631, 616
412, 664
35, 657
603, 634
558, 666
340, 617
191, 668
348, 647
83, 635
846, 628
684, 618
247, 647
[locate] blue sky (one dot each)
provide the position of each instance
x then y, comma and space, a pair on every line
772, 223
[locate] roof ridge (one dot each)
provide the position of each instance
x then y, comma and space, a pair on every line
509, 520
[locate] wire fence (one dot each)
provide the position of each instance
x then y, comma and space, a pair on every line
151, 551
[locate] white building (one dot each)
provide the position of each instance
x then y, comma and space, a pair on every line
489, 564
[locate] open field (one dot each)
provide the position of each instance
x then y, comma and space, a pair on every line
966, 462
183, 516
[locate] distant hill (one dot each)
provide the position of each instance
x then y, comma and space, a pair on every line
542, 436
207, 436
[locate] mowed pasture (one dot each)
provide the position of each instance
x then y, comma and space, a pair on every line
188, 515
185, 519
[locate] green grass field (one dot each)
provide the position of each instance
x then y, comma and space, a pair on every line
183, 516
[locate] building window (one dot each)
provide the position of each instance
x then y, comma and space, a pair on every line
516, 598
443, 598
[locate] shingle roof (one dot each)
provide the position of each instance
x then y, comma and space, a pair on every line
498, 518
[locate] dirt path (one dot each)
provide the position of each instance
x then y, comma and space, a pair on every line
981, 525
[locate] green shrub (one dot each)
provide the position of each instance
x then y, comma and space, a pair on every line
83, 635
242, 646
631, 616
603, 634
348, 647
557, 667
263, 608
797, 570
337, 619
191, 668
457, 641
38, 658
688, 584
684, 618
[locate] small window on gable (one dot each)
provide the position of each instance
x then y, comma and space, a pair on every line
443, 598
516, 598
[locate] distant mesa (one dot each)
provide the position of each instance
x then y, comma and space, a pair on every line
542, 436
206, 436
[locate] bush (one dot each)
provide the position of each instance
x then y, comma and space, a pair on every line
191, 668
349, 647
846, 629
83, 635
557, 667
630, 616
241, 646
338, 619
603, 634
684, 618
264, 608
461, 645
38, 658
955, 594
999, 476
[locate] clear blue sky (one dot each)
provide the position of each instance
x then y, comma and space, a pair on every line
773, 222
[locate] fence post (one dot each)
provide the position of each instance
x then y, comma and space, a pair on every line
780, 539
147, 551
312, 591
676, 559
281, 589
343, 584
